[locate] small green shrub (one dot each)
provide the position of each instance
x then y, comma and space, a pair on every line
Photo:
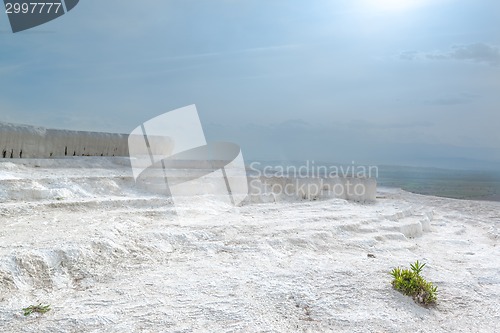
411, 283
36, 308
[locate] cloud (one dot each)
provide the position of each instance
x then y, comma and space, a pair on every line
456, 99
380, 128
271, 48
480, 53
413, 124
9, 69
408, 55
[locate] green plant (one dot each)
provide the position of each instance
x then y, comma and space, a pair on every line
36, 308
411, 283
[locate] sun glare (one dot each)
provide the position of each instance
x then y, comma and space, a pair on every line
393, 5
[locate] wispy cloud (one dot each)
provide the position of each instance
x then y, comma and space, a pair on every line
408, 55
480, 53
366, 125
453, 99
196, 56
11, 68
270, 48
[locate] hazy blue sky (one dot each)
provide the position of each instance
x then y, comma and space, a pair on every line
380, 81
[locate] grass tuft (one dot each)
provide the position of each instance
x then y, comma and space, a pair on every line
36, 308
411, 283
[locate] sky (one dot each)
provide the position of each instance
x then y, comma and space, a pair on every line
402, 82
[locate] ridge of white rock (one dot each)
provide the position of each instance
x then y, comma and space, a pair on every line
25, 141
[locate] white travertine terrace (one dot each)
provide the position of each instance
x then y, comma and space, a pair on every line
77, 234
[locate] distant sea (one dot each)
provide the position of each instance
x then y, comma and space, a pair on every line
458, 184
